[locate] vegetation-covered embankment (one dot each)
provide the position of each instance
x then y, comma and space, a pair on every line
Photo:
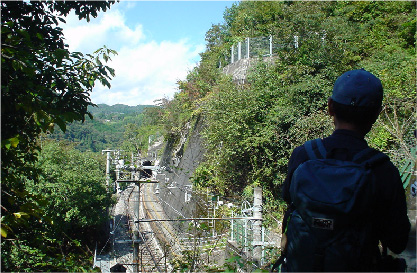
251, 129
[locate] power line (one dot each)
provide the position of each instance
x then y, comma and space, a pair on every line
199, 219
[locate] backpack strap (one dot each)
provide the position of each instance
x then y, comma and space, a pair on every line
370, 157
315, 149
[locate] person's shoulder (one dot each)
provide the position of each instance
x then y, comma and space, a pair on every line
299, 149
386, 167
298, 156
385, 158
299, 152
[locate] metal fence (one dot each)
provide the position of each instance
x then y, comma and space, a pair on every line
260, 47
242, 233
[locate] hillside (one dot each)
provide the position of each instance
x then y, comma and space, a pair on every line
106, 129
115, 112
252, 124
247, 123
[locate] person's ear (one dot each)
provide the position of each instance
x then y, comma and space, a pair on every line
330, 108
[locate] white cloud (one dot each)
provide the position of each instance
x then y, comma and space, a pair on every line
145, 70
107, 29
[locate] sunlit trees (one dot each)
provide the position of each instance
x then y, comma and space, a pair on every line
42, 84
250, 130
72, 202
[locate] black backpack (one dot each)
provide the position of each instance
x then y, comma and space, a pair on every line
330, 228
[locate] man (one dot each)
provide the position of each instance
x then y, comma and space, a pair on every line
355, 105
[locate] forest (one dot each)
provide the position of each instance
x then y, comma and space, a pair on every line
249, 131
105, 130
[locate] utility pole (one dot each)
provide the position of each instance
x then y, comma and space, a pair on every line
108, 166
257, 226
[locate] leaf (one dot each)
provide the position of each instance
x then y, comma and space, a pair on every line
98, 50
3, 232
61, 124
20, 214
233, 259
11, 142
111, 70
18, 65
105, 82
36, 119
98, 62
60, 54
14, 141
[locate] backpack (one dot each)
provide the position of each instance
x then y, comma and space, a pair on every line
330, 228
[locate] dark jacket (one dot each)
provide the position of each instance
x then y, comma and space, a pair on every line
391, 222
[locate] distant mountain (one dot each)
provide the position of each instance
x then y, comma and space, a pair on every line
115, 112
105, 130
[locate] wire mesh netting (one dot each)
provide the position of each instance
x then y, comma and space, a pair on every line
242, 233
260, 47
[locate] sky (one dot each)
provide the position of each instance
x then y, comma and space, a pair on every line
158, 43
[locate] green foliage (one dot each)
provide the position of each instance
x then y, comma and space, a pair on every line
106, 130
73, 183
145, 130
250, 130
250, 19
43, 84
72, 196
116, 112
136, 138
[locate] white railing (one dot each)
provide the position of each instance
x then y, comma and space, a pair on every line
259, 47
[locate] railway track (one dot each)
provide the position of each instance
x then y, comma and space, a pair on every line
145, 246
147, 253
134, 245
122, 246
